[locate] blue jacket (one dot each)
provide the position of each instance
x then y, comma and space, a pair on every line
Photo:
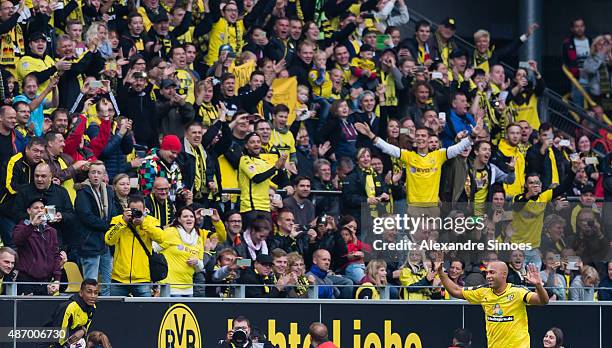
454, 125
92, 226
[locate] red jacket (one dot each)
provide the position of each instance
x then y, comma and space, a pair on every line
327, 345
39, 254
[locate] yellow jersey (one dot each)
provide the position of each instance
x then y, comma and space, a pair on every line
423, 174
527, 222
253, 196
508, 150
29, 64
505, 314
284, 142
177, 252
186, 85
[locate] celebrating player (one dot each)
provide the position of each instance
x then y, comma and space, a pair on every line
503, 303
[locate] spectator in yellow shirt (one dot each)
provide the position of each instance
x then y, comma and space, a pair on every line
321, 84
365, 67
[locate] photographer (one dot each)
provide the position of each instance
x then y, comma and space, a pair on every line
131, 263
172, 109
591, 243
291, 236
241, 335
39, 258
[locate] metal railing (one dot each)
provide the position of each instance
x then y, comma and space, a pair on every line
239, 290
554, 109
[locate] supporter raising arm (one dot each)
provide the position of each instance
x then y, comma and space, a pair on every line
425, 167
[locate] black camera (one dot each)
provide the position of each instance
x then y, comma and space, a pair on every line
136, 214
303, 228
240, 337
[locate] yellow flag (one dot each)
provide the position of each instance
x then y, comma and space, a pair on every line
242, 73
285, 92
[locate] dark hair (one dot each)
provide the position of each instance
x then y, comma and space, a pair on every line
242, 318
576, 19
280, 108
178, 214
136, 198
420, 83
464, 336
50, 136
227, 76
478, 144
391, 29
260, 223
256, 73
174, 48
154, 62
89, 281
421, 23
299, 178
38, 141
58, 111
544, 127
457, 93
479, 72
558, 335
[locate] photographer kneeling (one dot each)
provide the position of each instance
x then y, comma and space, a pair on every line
243, 336
131, 263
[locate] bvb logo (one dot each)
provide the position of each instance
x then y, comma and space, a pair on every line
179, 329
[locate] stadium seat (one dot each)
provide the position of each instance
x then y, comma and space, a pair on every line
74, 277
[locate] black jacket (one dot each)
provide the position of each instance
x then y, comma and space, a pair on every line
173, 117
140, 108
300, 70
354, 194
301, 244
331, 241
92, 226
15, 173
327, 204
251, 277
541, 164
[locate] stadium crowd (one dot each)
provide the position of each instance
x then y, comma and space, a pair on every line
123, 125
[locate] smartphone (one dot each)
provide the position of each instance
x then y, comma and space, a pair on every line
574, 157
442, 116
134, 183
277, 197
243, 262
557, 257
96, 84
436, 75
206, 212
524, 65
110, 65
404, 131
591, 160
564, 143
420, 68
381, 41
50, 213
572, 263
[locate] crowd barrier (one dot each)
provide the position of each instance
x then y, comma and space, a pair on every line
199, 322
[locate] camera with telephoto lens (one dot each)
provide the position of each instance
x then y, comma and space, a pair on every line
136, 214
240, 337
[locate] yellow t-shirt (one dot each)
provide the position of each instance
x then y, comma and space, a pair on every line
29, 64
177, 252
527, 223
507, 150
253, 196
186, 85
528, 112
423, 176
505, 314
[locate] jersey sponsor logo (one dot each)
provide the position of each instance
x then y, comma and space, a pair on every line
423, 170
500, 319
179, 329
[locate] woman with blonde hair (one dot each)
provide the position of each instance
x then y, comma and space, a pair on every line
296, 266
97, 34
582, 287
485, 55
596, 71
415, 277
374, 281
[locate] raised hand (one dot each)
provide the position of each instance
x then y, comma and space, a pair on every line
364, 129
533, 275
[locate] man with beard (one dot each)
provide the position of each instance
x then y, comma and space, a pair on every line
162, 162
173, 111
299, 204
